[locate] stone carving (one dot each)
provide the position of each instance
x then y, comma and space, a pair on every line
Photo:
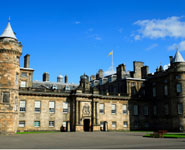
86, 110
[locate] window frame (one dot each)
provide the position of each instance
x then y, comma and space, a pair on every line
24, 123
180, 108
53, 124
113, 110
23, 108
37, 109
65, 110
52, 109
102, 111
125, 111
125, 126
38, 123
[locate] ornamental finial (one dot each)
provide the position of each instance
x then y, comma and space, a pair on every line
9, 19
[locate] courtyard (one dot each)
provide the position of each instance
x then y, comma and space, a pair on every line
87, 140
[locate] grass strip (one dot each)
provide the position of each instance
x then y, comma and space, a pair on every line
31, 132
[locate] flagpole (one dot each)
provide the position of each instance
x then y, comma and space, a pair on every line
112, 62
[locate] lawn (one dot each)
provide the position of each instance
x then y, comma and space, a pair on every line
169, 135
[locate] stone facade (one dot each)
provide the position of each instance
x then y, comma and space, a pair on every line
126, 100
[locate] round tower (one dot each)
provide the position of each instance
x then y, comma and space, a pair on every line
10, 52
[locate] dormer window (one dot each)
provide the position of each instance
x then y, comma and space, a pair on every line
67, 88
23, 74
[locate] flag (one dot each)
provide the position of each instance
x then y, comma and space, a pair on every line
110, 53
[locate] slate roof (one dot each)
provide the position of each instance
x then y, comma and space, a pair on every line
8, 32
54, 85
178, 57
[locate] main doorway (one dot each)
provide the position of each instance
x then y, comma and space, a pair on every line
86, 124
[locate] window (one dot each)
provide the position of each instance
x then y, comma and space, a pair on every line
22, 124
155, 110
36, 123
113, 108
133, 88
65, 107
125, 124
113, 124
180, 109
6, 97
17, 79
22, 106
37, 106
51, 123
110, 79
24, 74
146, 125
136, 110
101, 124
146, 110
179, 88
136, 124
51, 107
154, 91
17, 59
15, 105
166, 109
165, 90
101, 108
125, 111
178, 77
23, 83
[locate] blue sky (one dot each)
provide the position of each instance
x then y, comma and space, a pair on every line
74, 37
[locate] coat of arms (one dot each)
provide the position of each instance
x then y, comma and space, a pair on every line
86, 110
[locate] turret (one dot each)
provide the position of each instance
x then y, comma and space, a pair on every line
10, 52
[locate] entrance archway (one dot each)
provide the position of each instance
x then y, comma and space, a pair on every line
86, 124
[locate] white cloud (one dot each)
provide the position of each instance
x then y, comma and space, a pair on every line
109, 71
98, 38
137, 37
95, 36
180, 46
77, 22
161, 28
152, 46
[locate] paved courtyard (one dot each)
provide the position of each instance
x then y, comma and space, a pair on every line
87, 140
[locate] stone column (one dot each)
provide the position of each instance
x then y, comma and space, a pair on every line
79, 112
96, 112
77, 116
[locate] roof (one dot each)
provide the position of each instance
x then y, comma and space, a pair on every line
178, 57
56, 85
8, 32
59, 76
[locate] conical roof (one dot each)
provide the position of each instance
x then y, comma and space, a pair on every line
8, 32
178, 57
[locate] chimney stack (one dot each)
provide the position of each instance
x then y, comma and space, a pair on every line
66, 79
45, 76
27, 61
171, 59
144, 72
92, 78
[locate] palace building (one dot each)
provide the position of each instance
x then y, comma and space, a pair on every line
126, 100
